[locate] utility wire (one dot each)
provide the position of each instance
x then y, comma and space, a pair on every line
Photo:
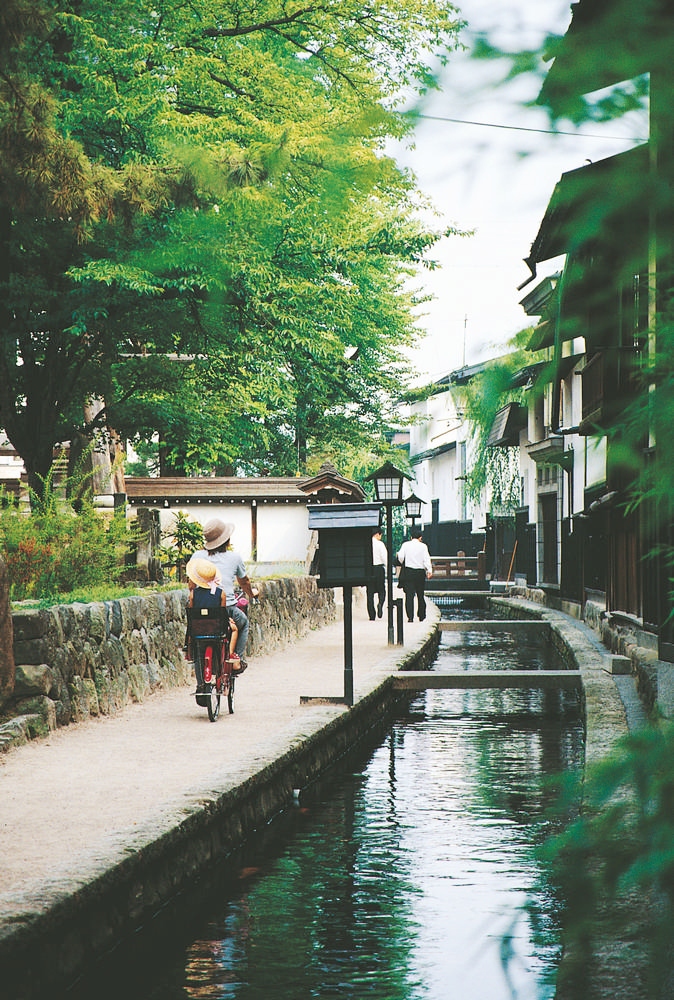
521, 128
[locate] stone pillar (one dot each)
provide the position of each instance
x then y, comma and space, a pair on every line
7, 666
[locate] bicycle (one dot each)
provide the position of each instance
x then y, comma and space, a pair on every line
209, 631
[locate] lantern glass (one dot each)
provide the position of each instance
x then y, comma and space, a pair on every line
413, 506
388, 483
388, 488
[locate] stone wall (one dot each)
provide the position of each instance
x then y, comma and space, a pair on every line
628, 641
287, 608
75, 661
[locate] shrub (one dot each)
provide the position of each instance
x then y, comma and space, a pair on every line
55, 549
187, 537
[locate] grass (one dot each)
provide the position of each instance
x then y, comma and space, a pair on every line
107, 592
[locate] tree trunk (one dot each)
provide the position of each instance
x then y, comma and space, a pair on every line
38, 463
7, 666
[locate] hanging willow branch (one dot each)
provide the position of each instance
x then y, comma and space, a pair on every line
494, 471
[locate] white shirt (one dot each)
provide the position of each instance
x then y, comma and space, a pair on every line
415, 555
379, 553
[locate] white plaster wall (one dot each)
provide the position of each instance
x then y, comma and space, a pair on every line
595, 461
444, 485
282, 532
236, 514
576, 444
422, 486
436, 477
419, 431
439, 422
282, 528
528, 477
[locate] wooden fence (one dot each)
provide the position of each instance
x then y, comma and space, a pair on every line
460, 566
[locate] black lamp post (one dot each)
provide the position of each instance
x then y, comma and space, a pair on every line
413, 507
388, 487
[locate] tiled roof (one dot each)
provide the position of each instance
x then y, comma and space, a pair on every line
508, 423
223, 489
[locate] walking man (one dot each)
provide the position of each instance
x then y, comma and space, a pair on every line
415, 559
377, 588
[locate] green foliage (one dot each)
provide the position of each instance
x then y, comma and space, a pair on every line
494, 470
99, 592
187, 536
579, 88
198, 223
64, 544
614, 864
55, 551
147, 461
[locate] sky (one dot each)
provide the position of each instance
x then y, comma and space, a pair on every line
494, 180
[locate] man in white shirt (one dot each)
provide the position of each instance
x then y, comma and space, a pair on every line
377, 588
416, 560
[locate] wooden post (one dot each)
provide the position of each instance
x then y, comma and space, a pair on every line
253, 530
512, 561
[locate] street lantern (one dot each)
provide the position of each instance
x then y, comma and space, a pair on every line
413, 507
388, 486
388, 483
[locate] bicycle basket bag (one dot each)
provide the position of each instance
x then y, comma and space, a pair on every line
207, 621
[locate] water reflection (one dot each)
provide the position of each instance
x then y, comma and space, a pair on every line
409, 883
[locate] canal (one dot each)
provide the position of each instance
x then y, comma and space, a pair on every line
412, 876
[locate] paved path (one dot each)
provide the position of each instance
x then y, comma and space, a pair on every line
75, 803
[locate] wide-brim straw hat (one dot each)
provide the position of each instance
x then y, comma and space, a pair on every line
203, 573
216, 533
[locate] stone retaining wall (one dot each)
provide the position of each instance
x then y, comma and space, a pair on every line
75, 661
654, 677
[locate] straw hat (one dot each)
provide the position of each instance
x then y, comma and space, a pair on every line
203, 573
216, 533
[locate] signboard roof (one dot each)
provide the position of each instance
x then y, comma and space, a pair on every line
344, 515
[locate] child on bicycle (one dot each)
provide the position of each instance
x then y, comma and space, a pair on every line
205, 591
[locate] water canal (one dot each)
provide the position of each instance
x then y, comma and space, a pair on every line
407, 880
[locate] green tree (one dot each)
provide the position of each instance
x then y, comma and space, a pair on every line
205, 182
186, 537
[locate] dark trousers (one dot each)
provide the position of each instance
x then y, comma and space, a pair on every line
376, 589
415, 582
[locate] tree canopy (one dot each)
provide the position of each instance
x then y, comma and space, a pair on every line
199, 223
